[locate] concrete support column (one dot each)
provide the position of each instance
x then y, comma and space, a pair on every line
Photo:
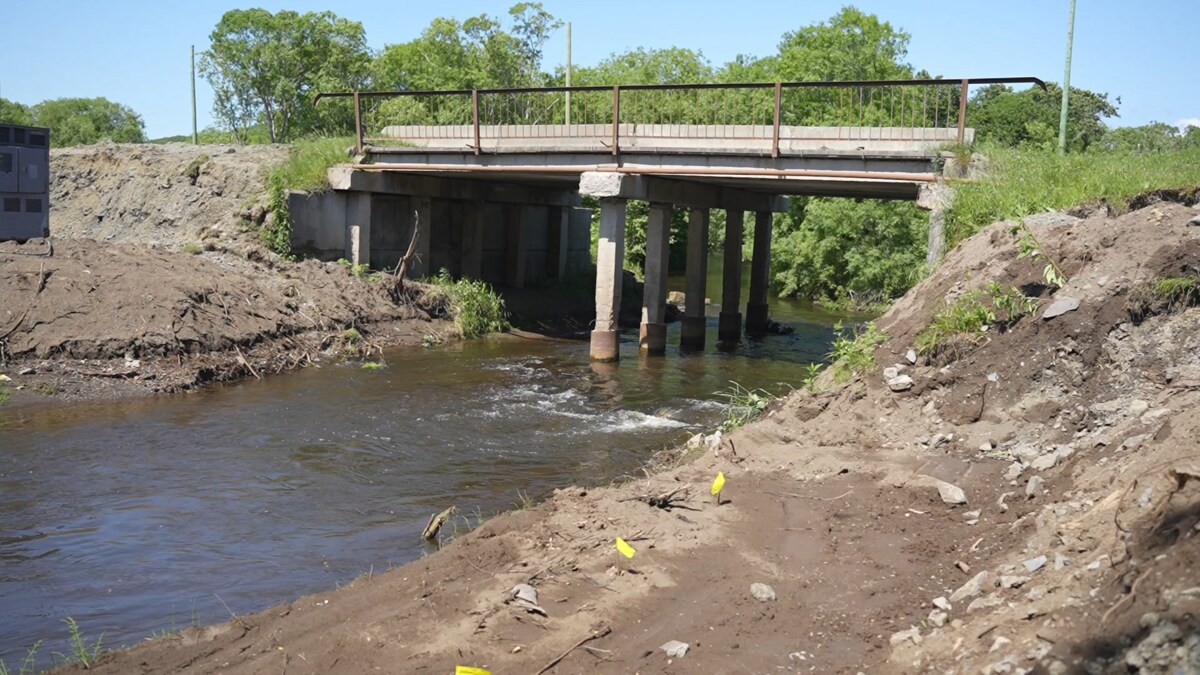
514, 244
422, 214
610, 259
558, 239
692, 335
935, 198
652, 336
358, 228
472, 241
757, 311
729, 326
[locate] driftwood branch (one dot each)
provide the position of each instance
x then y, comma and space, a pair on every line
668, 500
402, 267
594, 636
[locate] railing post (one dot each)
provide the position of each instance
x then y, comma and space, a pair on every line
475, 117
358, 130
616, 133
775, 124
962, 112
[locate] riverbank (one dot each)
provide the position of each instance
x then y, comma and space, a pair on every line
1024, 496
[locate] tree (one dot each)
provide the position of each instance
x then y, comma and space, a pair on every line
12, 112
1030, 117
81, 121
1153, 137
851, 45
266, 68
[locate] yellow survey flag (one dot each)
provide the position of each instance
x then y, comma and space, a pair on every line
625, 549
468, 670
718, 483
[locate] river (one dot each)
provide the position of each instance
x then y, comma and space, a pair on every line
138, 517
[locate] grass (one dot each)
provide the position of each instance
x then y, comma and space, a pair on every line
192, 171
79, 650
475, 308
1163, 295
193, 248
26, 667
305, 169
374, 365
964, 323
1026, 181
5, 394
853, 352
360, 270
742, 405
352, 335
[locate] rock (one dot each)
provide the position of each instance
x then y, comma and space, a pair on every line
763, 592
999, 643
900, 383
1061, 561
891, 372
26, 371
911, 356
941, 603
913, 634
1060, 306
1138, 406
1034, 487
712, 441
525, 592
1035, 564
1014, 471
986, 602
1036, 593
1025, 452
970, 589
941, 439
951, 494
676, 298
1012, 581
675, 649
972, 515
938, 618
695, 442
5, 378
1045, 462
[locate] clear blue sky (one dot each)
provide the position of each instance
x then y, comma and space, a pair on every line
136, 51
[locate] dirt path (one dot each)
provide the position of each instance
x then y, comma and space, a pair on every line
1072, 440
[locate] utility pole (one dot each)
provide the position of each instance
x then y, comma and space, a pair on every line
568, 72
195, 134
1066, 88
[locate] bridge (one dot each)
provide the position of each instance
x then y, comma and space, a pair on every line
495, 177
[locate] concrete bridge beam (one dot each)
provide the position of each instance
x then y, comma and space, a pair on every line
729, 326
652, 336
757, 310
610, 258
693, 329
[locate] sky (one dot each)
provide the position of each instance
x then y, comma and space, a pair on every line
136, 52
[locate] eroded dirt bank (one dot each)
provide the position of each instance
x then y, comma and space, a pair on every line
1072, 438
156, 281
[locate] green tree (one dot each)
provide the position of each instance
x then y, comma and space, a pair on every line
266, 68
850, 247
12, 112
1153, 137
1030, 117
80, 121
851, 45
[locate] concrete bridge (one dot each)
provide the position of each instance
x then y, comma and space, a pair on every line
495, 179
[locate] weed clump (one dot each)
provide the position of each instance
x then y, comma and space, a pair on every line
742, 405
474, 307
964, 323
305, 169
1163, 295
853, 351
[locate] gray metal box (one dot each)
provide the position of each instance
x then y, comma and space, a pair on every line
24, 182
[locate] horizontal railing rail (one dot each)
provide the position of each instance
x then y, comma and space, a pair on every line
626, 116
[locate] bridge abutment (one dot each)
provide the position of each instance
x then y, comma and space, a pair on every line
610, 259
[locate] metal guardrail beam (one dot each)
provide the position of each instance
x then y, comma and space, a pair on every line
615, 92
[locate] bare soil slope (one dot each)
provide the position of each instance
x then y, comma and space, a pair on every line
1073, 440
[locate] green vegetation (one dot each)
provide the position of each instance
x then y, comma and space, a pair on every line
360, 270
79, 650
475, 308
1163, 295
193, 248
374, 365
1023, 181
352, 335
192, 172
742, 405
5, 394
965, 322
78, 121
1029, 247
853, 351
305, 169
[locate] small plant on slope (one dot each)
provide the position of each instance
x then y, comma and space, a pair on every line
1031, 248
81, 652
853, 352
743, 405
964, 323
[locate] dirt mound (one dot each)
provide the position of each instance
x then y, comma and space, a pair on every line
158, 194
1028, 504
181, 318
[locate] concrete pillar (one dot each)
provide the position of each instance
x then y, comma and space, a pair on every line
472, 241
652, 336
358, 228
935, 198
514, 244
423, 214
692, 334
610, 259
729, 326
757, 311
557, 241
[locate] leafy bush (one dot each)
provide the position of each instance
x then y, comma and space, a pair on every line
475, 308
965, 322
306, 169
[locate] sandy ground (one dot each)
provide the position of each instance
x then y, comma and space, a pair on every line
1072, 547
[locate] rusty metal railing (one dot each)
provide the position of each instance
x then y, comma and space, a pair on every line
632, 117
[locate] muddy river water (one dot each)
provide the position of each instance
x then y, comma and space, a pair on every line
145, 516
